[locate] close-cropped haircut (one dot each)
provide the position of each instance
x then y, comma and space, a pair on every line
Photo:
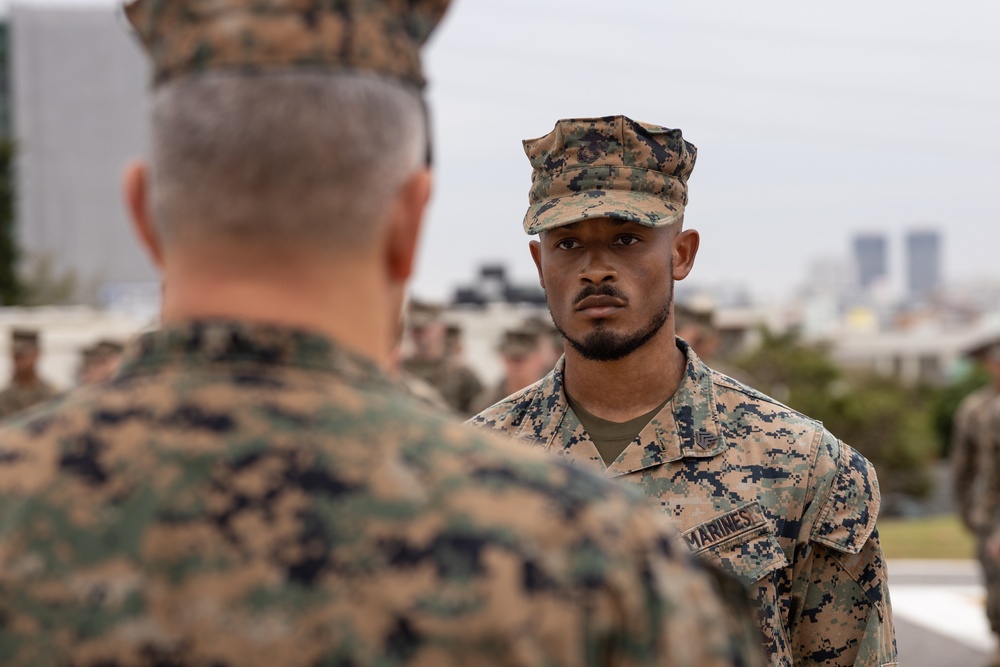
282, 158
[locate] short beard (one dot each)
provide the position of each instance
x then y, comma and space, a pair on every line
602, 344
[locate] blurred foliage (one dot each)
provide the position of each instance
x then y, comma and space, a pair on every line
11, 289
944, 403
890, 424
931, 537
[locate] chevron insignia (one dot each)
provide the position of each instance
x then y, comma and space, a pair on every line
705, 440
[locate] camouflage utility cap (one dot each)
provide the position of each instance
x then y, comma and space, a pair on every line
611, 167
519, 343
190, 36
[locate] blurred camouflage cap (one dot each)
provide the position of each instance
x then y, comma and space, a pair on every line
23, 340
381, 36
610, 167
19, 335
986, 349
422, 315
519, 343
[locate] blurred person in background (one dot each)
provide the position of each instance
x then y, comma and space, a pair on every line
975, 458
26, 388
527, 357
99, 362
252, 488
436, 358
763, 491
551, 339
696, 326
461, 385
416, 386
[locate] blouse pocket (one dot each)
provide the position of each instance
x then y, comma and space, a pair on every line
739, 542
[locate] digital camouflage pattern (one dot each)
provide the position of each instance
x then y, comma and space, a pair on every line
975, 457
190, 36
757, 489
256, 496
17, 397
610, 167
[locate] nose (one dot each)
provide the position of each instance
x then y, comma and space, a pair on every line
598, 267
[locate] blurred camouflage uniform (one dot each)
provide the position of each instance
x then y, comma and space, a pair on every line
251, 495
16, 398
443, 369
975, 457
246, 495
23, 393
755, 487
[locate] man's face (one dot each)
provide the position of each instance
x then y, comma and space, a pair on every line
526, 367
428, 340
24, 356
609, 284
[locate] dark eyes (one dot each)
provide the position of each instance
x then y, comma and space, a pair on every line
621, 240
626, 239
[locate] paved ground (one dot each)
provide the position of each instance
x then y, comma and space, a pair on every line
939, 614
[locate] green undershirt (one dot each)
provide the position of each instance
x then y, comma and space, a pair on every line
610, 437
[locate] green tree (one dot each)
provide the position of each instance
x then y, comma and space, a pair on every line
944, 402
890, 424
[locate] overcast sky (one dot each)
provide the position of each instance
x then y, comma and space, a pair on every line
813, 122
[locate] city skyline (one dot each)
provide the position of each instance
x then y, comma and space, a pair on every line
813, 124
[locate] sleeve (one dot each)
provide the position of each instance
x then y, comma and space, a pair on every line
963, 464
990, 471
843, 616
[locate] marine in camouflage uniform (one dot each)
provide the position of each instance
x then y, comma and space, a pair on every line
755, 487
252, 493
975, 457
525, 354
26, 388
438, 359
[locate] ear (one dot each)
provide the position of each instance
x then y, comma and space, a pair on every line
536, 254
136, 187
405, 221
685, 248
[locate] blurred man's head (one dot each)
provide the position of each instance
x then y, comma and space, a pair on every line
100, 361
24, 348
287, 162
696, 326
526, 358
285, 148
428, 332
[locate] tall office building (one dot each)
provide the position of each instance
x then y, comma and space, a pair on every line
923, 263
870, 259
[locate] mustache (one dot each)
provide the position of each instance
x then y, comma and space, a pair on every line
600, 290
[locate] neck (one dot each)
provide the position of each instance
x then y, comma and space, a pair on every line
345, 299
26, 378
627, 388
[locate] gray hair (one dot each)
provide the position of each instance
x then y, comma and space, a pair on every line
289, 158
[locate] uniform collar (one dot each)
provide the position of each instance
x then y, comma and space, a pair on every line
244, 345
688, 426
